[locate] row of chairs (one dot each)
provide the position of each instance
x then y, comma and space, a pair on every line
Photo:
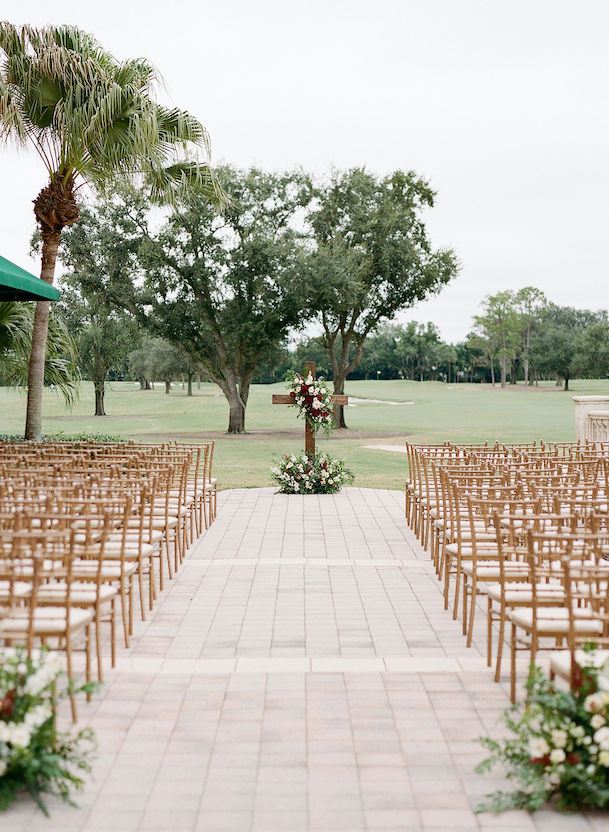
525, 527
80, 523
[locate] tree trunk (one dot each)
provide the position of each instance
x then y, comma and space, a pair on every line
54, 208
236, 419
99, 399
167, 387
502, 367
189, 390
525, 364
339, 410
199, 382
143, 384
566, 382
35, 382
492, 372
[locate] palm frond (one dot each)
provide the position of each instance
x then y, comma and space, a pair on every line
95, 118
61, 364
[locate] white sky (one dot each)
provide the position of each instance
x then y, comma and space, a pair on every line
502, 104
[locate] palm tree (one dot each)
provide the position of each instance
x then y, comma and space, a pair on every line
61, 365
91, 119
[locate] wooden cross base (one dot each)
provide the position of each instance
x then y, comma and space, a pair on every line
281, 398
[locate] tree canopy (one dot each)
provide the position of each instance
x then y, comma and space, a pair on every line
371, 258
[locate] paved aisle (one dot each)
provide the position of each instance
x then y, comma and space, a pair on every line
300, 674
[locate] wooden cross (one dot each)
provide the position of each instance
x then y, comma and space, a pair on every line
309, 433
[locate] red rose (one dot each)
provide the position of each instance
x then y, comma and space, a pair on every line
304, 389
573, 759
292, 395
309, 400
7, 704
540, 761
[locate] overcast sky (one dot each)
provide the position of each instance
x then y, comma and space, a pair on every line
501, 104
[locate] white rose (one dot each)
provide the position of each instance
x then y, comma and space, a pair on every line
578, 731
316, 404
538, 747
559, 738
597, 721
19, 735
557, 755
603, 759
602, 737
593, 703
553, 779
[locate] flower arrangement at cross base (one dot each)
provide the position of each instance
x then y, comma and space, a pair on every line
34, 756
303, 474
559, 748
313, 400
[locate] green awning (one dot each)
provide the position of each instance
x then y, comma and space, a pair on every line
17, 284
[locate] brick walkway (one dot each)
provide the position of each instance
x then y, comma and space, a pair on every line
300, 674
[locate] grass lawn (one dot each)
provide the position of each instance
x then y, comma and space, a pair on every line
420, 412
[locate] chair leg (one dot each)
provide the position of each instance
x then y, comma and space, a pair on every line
126, 616
513, 665
500, 643
70, 679
472, 610
489, 632
113, 632
100, 674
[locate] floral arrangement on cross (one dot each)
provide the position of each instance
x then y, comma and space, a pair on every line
311, 472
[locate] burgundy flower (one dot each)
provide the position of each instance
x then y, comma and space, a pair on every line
7, 704
540, 761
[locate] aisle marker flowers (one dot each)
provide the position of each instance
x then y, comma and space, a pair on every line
559, 743
34, 755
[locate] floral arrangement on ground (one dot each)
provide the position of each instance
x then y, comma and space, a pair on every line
34, 756
559, 744
312, 398
304, 474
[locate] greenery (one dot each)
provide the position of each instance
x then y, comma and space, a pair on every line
61, 362
558, 745
34, 755
308, 474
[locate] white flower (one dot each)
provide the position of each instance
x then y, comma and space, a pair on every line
593, 703
559, 738
19, 734
557, 755
603, 759
553, 779
578, 731
538, 747
602, 738
597, 721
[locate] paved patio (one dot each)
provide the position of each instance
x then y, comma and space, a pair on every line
299, 674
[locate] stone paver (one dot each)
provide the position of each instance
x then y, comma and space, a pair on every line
299, 674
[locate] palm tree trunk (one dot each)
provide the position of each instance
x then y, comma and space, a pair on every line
35, 382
